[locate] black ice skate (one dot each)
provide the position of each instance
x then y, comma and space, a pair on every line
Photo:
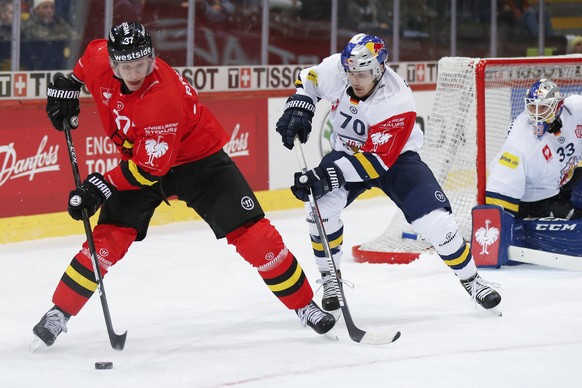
53, 323
314, 317
481, 292
329, 301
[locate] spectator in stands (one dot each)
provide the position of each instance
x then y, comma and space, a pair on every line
217, 11
6, 14
44, 24
316, 10
128, 10
371, 15
576, 45
525, 18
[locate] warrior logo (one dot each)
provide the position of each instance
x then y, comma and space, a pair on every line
486, 237
247, 203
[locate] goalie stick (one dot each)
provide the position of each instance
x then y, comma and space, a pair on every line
548, 259
117, 341
356, 334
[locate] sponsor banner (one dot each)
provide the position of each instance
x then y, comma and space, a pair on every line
33, 85
35, 171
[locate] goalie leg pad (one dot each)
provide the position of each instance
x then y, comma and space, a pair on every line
261, 245
78, 282
491, 235
556, 236
576, 195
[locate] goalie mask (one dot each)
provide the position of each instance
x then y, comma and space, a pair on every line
543, 103
365, 53
130, 47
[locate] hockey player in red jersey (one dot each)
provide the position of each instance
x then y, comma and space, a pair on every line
171, 145
375, 143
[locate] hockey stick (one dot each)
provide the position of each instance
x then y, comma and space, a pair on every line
548, 259
356, 334
117, 341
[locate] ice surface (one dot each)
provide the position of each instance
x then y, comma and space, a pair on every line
197, 315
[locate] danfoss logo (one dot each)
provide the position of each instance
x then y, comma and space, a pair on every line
44, 160
238, 144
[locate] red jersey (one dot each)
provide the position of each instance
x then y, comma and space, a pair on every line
159, 126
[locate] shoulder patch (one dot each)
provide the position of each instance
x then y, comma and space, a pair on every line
547, 152
312, 76
509, 160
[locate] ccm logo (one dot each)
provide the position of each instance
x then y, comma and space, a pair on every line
557, 227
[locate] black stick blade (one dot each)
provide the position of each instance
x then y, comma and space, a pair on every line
117, 340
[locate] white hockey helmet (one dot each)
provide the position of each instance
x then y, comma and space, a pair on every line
365, 52
543, 103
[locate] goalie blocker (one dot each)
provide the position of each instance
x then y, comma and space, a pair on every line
551, 242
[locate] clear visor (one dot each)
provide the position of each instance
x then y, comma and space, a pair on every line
133, 70
360, 77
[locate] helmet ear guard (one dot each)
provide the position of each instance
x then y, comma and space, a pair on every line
365, 52
543, 103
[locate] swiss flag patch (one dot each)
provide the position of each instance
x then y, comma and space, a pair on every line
547, 152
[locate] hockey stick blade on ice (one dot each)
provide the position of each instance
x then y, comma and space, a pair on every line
117, 340
356, 334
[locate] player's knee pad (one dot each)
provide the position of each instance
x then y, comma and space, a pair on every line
441, 230
259, 243
330, 208
111, 244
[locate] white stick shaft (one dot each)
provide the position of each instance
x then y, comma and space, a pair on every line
548, 259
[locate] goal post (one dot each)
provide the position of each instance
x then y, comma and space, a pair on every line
476, 101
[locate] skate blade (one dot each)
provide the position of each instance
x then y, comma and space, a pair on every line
492, 312
336, 314
331, 335
495, 311
37, 345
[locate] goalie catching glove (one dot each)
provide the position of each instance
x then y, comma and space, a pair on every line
89, 195
321, 180
296, 119
63, 101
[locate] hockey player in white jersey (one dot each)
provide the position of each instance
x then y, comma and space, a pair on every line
533, 174
375, 143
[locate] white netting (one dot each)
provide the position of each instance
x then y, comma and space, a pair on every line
450, 146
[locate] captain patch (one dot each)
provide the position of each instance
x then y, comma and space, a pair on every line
509, 160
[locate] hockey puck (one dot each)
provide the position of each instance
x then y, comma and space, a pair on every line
103, 365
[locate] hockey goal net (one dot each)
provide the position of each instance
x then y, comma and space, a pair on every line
476, 101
